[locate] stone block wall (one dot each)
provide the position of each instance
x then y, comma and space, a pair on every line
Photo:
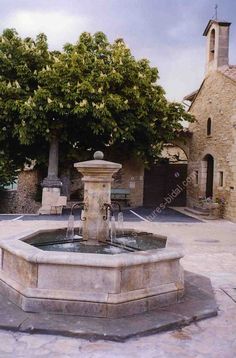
22, 200
131, 177
76, 185
28, 182
8, 201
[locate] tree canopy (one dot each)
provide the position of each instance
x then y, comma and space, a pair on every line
92, 95
20, 59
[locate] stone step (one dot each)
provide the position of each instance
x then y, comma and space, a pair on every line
194, 211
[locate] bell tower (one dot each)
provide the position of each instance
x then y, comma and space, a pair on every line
217, 49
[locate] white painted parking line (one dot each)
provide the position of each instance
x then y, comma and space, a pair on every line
139, 216
18, 218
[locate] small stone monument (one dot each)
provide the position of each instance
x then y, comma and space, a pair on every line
52, 201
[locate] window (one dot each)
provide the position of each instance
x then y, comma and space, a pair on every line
221, 178
212, 45
209, 126
196, 177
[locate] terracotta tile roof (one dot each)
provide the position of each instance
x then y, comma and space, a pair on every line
229, 71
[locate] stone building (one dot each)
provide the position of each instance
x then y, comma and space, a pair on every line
212, 147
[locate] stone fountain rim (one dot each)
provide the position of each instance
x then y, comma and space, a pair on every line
16, 245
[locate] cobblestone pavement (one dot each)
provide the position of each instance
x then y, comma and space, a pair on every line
210, 249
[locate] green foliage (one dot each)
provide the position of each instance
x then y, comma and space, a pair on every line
7, 170
92, 95
20, 61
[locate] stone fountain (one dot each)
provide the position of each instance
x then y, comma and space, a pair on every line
79, 277
97, 178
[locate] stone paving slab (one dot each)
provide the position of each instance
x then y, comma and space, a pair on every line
198, 303
231, 292
11, 316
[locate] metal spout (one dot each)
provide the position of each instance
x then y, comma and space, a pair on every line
107, 207
81, 205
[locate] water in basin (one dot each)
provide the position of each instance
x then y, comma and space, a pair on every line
56, 240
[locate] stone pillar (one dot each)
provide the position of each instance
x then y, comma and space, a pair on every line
96, 194
97, 178
52, 180
52, 201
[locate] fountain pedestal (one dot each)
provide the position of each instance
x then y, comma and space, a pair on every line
97, 178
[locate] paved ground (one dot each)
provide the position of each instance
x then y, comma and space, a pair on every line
133, 215
210, 249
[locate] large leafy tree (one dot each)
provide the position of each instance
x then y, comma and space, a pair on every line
92, 95
20, 61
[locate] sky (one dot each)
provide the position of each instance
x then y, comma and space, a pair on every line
167, 32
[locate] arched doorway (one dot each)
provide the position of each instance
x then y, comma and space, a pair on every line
209, 175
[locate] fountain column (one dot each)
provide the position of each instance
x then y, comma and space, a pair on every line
97, 178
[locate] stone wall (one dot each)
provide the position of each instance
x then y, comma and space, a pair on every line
76, 185
8, 201
28, 182
22, 200
216, 100
131, 177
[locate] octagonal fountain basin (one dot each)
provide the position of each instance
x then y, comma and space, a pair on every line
135, 273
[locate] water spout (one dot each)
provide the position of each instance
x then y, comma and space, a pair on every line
82, 218
116, 203
120, 223
120, 218
113, 228
70, 232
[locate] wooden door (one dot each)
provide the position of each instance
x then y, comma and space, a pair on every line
162, 181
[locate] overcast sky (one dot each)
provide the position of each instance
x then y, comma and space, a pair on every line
167, 32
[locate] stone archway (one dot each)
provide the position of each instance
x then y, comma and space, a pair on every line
183, 144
